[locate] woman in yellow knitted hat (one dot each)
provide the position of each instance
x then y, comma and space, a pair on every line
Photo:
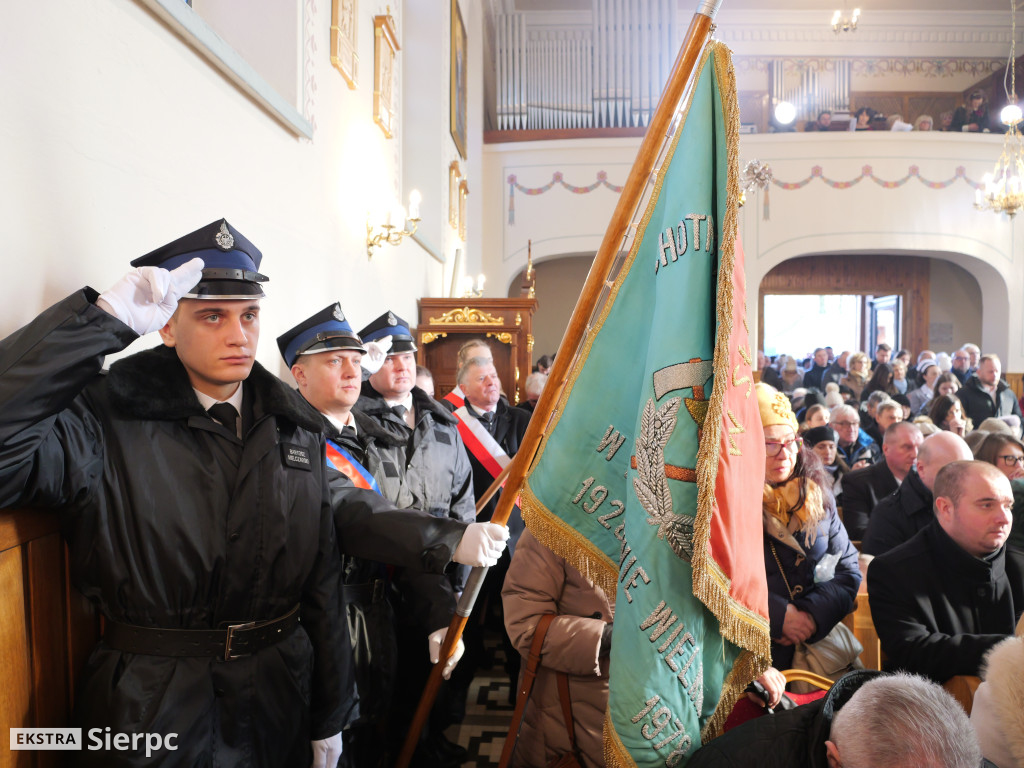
810, 564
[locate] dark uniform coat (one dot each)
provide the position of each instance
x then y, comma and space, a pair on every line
173, 522
862, 490
938, 609
436, 467
897, 517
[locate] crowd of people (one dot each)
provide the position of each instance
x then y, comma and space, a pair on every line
909, 471
973, 116
277, 567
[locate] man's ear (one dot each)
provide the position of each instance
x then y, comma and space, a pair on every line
832, 753
299, 375
943, 508
167, 333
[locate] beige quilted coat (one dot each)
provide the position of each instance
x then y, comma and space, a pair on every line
540, 582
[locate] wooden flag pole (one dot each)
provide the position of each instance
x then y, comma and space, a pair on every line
618, 229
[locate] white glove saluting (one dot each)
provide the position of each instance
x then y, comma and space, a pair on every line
481, 545
434, 641
376, 354
145, 298
327, 752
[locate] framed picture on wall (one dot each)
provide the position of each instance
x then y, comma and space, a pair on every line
344, 41
457, 92
385, 45
454, 176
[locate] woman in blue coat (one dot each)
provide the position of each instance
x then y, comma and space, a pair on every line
810, 564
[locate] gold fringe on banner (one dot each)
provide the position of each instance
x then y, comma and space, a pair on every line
615, 752
738, 624
566, 542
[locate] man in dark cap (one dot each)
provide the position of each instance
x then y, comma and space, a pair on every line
194, 498
326, 358
437, 473
436, 468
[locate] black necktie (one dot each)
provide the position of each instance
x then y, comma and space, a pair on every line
399, 411
226, 414
487, 417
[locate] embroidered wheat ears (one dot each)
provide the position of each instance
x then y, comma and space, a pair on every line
651, 484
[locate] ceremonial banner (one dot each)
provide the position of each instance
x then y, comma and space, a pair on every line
649, 478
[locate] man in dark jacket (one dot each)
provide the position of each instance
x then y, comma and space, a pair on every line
492, 432
866, 720
326, 357
985, 394
436, 470
898, 517
855, 446
435, 466
940, 601
195, 503
864, 488
816, 376
961, 365
836, 370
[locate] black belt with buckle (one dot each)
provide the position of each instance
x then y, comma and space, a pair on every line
235, 640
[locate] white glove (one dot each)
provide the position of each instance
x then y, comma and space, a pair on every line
481, 545
434, 640
376, 354
327, 752
145, 298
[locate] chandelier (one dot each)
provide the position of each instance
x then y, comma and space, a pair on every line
842, 23
1002, 191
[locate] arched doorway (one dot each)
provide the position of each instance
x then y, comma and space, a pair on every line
941, 302
559, 280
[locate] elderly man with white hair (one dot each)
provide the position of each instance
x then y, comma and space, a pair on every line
867, 720
855, 446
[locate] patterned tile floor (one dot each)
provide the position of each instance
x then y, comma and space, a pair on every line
488, 713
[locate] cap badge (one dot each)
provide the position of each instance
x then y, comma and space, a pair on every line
338, 314
223, 238
392, 320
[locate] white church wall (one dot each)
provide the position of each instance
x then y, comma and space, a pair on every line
116, 136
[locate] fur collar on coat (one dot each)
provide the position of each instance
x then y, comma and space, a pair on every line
153, 385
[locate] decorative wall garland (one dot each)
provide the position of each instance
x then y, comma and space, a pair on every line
556, 178
817, 172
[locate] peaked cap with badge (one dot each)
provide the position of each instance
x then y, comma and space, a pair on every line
230, 262
390, 324
326, 330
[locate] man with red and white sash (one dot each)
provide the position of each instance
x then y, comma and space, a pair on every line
472, 348
491, 431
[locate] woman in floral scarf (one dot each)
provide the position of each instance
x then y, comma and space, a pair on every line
809, 562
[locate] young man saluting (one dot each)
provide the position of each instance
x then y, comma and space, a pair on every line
193, 494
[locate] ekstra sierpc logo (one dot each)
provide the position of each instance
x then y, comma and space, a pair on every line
96, 739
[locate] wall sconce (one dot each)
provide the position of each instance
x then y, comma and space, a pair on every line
466, 285
393, 230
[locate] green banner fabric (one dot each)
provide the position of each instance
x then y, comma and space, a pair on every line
624, 484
